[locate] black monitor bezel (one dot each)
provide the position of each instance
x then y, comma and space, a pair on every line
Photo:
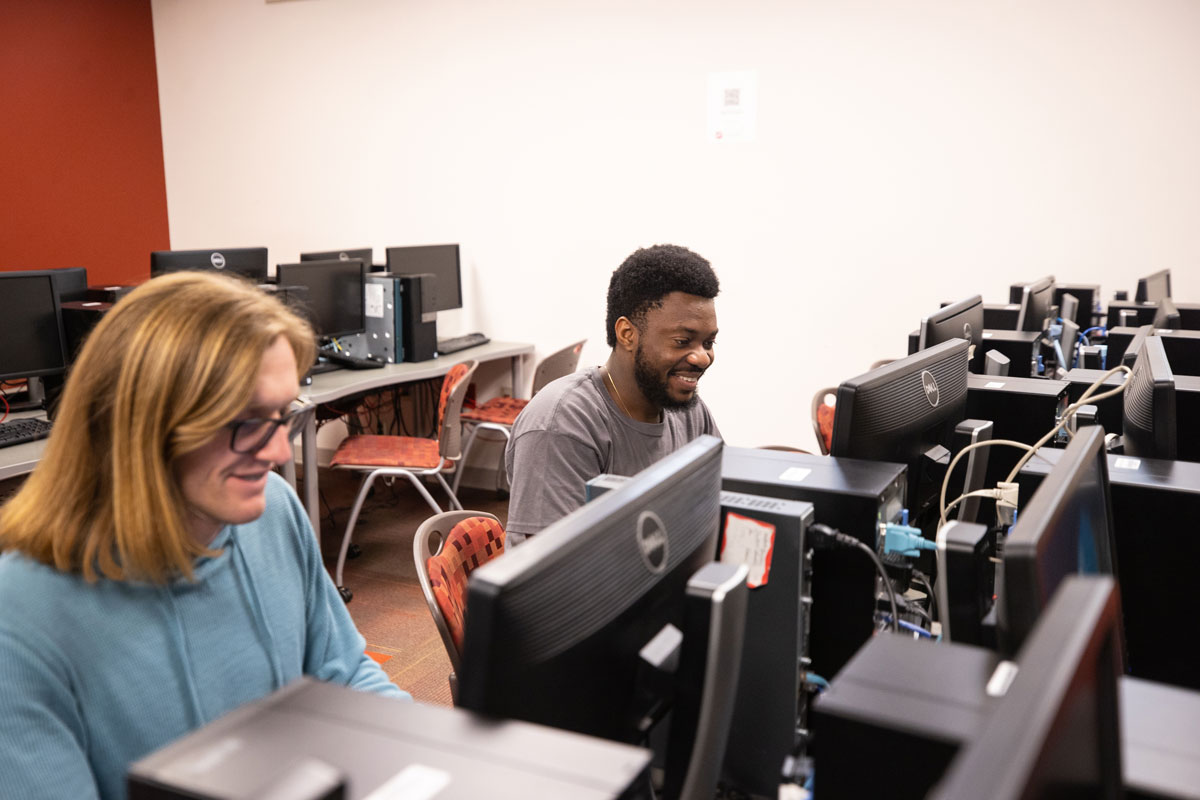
1151, 374
52, 281
256, 270
442, 298
286, 278
1036, 300
967, 314
364, 254
1160, 281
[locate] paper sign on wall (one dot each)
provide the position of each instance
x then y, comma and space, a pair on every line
732, 106
750, 542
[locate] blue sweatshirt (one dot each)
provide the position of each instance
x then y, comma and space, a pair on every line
95, 676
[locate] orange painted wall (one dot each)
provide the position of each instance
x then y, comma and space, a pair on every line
81, 159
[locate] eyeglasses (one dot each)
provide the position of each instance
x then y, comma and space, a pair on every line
251, 435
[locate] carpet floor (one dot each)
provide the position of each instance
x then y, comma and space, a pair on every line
388, 606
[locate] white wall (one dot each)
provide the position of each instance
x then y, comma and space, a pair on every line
907, 153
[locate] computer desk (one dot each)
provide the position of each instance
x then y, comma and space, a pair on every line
328, 387
20, 459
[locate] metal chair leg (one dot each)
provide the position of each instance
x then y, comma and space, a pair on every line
462, 459
415, 481
358, 504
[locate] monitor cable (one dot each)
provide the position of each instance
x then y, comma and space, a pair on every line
823, 536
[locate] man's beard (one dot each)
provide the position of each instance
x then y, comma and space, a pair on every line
654, 388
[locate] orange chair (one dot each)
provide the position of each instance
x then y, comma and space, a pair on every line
447, 548
499, 413
411, 457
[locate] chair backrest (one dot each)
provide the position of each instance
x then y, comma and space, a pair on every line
556, 365
454, 391
822, 418
446, 548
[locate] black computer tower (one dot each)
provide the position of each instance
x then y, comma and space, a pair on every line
850, 494
1021, 409
418, 334
79, 317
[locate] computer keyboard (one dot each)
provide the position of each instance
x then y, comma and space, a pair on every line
351, 362
20, 431
456, 343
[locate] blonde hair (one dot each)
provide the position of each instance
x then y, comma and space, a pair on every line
162, 373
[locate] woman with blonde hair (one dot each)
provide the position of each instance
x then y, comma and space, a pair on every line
156, 572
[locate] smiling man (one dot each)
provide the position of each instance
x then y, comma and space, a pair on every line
157, 573
641, 405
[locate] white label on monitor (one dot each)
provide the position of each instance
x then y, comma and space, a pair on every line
1127, 463
373, 294
1002, 678
987, 335
794, 474
750, 542
994, 385
414, 782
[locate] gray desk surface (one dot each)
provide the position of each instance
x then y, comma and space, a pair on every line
22, 458
330, 386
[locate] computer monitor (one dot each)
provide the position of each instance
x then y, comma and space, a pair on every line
32, 341
1056, 732
439, 259
961, 320
1064, 529
1153, 287
1148, 429
364, 254
904, 412
70, 283
555, 628
1036, 300
334, 290
250, 262
1167, 315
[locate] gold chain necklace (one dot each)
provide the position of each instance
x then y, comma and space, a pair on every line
613, 384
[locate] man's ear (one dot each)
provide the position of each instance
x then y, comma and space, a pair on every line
627, 334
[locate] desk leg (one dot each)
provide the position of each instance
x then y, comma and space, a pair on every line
518, 376
308, 451
288, 469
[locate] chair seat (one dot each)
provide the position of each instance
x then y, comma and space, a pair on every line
368, 450
500, 410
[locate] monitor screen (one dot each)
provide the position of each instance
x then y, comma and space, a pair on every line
334, 294
1153, 288
554, 628
961, 320
902, 411
1055, 731
1036, 300
1065, 529
250, 262
31, 330
439, 259
1149, 428
364, 254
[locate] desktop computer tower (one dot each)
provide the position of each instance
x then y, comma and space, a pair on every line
1021, 409
1019, 347
418, 332
849, 494
385, 317
107, 294
79, 317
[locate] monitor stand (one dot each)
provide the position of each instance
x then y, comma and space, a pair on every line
35, 397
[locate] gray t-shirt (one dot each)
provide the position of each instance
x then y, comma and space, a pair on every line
572, 431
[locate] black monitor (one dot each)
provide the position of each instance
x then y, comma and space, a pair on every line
904, 412
70, 283
1064, 529
961, 320
250, 262
364, 254
334, 294
1166, 315
1056, 731
1153, 287
555, 628
1132, 349
439, 259
32, 342
1148, 429
1036, 301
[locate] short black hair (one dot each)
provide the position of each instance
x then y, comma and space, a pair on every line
649, 275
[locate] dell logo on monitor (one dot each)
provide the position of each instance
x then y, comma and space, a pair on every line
930, 386
652, 541
218, 261
967, 331
343, 257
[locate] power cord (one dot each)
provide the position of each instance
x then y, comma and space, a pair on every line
823, 536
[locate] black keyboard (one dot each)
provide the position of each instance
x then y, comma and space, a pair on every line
456, 343
20, 431
351, 362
